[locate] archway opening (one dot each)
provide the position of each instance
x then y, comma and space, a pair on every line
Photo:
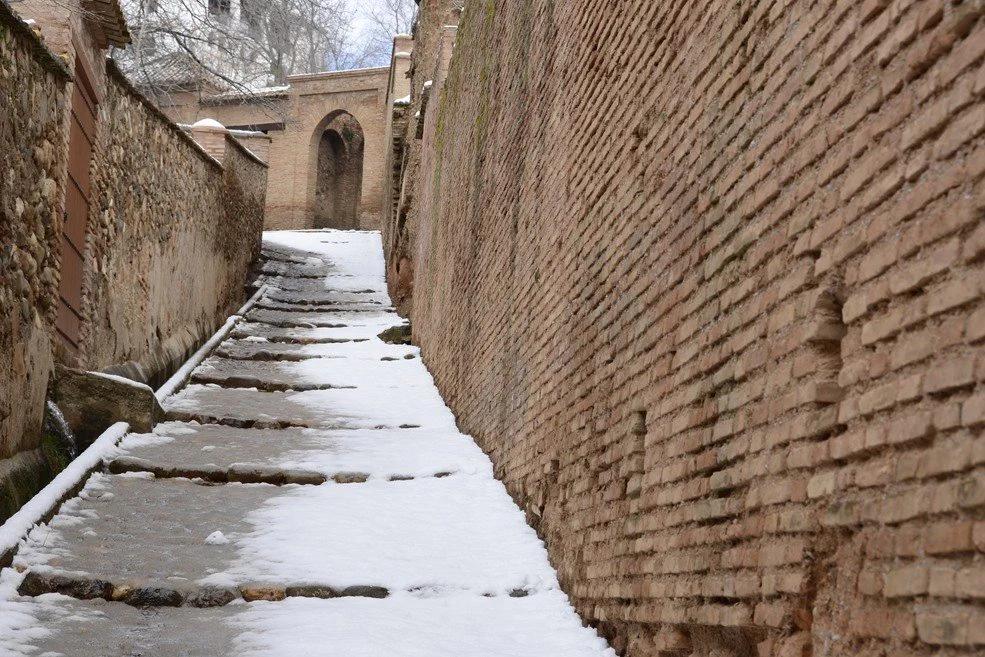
339, 176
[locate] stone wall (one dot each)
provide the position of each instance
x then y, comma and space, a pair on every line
172, 238
707, 284
33, 152
169, 243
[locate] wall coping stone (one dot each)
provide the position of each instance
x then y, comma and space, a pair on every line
238, 145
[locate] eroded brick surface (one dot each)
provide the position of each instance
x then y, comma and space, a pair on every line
753, 230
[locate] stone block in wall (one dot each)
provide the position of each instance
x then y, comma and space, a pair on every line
92, 402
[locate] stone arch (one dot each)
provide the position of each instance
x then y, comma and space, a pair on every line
337, 148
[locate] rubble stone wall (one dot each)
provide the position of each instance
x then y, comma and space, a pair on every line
170, 240
172, 237
33, 156
707, 281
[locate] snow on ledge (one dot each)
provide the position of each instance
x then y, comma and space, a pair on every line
181, 377
34, 512
402, 101
208, 123
122, 380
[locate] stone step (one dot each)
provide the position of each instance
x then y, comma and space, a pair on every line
346, 306
327, 297
347, 284
294, 270
249, 330
262, 350
312, 374
185, 540
377, 320
176, 448
401, 625
332, 409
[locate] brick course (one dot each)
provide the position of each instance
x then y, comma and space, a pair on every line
707, 285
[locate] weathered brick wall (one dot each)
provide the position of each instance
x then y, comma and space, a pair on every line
707, 283
172, 237
406, 130
33, 149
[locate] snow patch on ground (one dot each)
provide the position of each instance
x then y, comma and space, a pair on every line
404, 625
457, 532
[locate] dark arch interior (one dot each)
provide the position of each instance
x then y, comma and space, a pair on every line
340, 174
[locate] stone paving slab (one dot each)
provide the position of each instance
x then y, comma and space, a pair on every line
249, 330
313, 374
335, 409
400, 626
154, 534
267, 351
328, 319
376, 453
340, 306
328, 297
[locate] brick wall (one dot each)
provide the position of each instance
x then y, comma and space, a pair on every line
707, 284
295, 119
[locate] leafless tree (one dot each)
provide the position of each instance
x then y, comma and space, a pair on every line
238, 45
385, 19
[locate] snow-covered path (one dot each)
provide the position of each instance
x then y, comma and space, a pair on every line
309, 495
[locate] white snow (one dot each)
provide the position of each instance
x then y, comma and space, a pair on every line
208, 123
179, 378
216, 538
402, 101
456, 533
29, 515
19, 627
404, 625
122, 380
384, 454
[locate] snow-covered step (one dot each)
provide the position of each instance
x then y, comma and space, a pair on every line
378, 454
263, 350
402, 625
253, 330
401, 535
316, 374
358, 408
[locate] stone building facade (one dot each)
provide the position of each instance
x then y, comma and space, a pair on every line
123, 242
707, 285
327, 143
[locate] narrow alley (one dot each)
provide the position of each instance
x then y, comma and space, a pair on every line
309, 494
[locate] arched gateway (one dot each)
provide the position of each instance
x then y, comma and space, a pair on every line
338, 145
327, 143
